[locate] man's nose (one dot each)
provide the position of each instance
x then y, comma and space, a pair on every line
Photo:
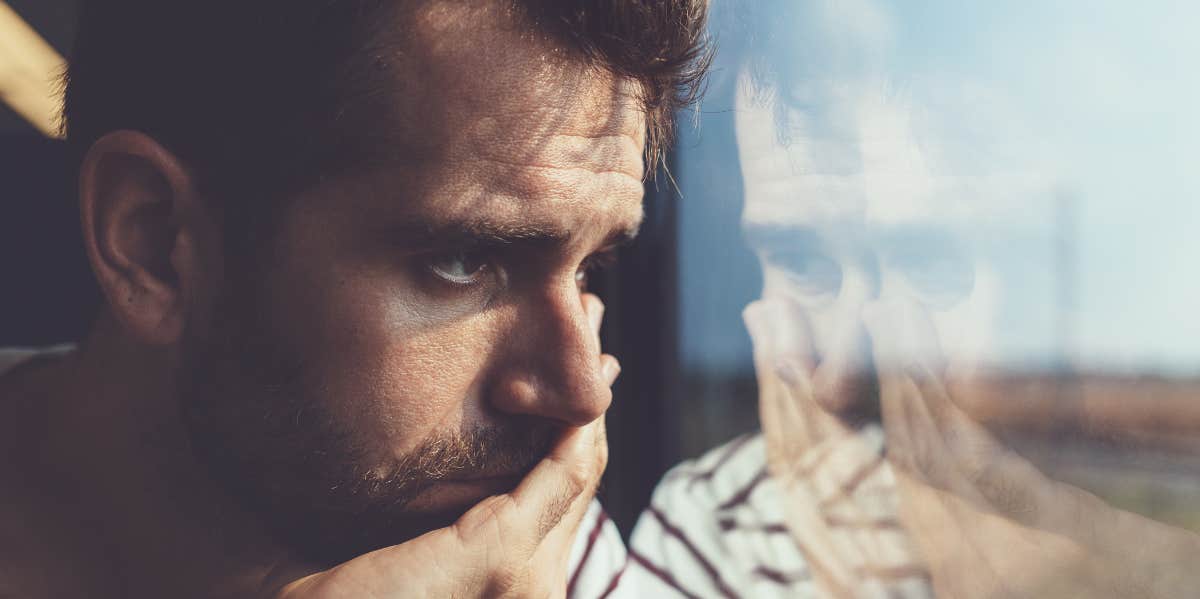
551, 366
845, 382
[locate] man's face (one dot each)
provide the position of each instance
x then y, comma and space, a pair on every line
845, 205
413, 335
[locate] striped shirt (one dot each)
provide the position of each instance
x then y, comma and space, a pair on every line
716, 528
598, 559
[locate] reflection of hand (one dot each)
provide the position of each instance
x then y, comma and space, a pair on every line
986, 521
511, 545
841, 504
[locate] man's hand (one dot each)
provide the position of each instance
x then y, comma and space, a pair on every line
841, 506
511, 545
987, 522
945, 507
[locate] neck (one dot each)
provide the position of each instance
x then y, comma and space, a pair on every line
171, 531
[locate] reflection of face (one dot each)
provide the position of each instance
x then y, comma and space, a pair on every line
845, 205
412, 336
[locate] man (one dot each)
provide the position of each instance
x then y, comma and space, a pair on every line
347, 348
878, 310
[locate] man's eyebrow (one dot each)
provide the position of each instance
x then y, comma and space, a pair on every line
487, 232
896, 237
772, 236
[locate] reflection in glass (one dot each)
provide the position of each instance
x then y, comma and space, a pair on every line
975, 346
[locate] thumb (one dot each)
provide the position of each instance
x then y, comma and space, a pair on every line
488, 550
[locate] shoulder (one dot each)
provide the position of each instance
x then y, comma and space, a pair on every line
26, 383
39, 526
11, 357
715, 528
18, 367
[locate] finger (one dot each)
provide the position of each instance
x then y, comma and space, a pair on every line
610, 369
797, 419
899, 337
896, 426
832, 570
930, 437
777, 419
781, 331
525, 516
783, 355
852, 460
913, 335
842, 380
489, 548
915, 443
551, 560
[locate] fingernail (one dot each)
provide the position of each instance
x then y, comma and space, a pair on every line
752, 315
611, 369
770, 328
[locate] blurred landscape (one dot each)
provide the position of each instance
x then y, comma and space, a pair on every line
1134, 441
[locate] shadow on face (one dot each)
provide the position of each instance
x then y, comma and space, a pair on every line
412, 336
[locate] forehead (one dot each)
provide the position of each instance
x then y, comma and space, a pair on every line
469, 72
498, 119
848, 155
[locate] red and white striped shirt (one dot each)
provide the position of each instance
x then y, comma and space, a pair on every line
598, 559
715, 528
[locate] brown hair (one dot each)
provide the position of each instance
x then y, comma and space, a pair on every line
248, 92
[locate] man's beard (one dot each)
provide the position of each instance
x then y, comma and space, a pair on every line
258, 422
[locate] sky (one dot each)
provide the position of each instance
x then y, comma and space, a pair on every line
1099, 97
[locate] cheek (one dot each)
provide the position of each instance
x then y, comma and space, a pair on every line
830, 317
390, 372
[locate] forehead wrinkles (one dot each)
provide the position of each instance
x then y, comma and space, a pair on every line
491, 81
502, 144
441, 78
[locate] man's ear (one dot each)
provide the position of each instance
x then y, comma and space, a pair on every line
142, 224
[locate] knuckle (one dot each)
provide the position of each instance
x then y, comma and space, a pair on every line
577, 478
602, 458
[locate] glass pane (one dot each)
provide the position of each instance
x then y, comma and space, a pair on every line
990, 204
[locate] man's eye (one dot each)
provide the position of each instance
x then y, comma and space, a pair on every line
594, 263
461, 267
941, 279
811, 273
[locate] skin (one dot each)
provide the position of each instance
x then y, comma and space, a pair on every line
832, 218
409, 324
850, 208
894, 489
